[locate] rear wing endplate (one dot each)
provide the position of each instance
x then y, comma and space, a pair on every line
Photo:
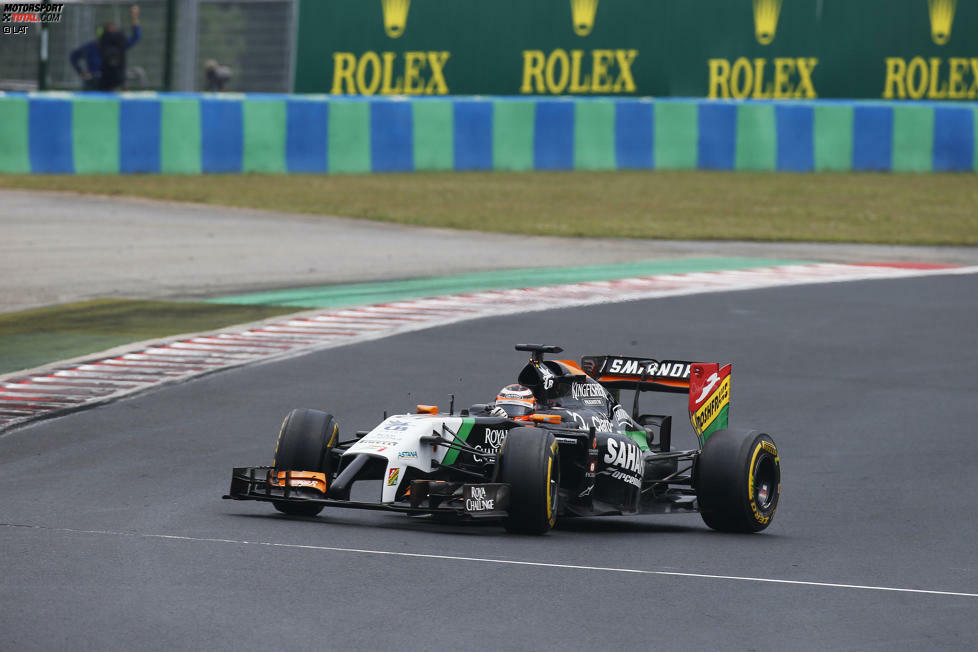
708, 385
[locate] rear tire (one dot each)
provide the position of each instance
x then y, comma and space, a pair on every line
303, 444
738, 481
531, 467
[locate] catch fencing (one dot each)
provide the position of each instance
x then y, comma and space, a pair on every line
253, 39
192, 133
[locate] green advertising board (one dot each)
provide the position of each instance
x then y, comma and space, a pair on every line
779, 49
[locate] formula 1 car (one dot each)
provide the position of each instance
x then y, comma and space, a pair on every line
576, 452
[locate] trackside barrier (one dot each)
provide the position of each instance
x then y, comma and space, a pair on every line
195, 133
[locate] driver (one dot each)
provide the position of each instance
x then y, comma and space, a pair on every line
514, 401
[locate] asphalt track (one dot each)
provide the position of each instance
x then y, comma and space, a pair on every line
114, 536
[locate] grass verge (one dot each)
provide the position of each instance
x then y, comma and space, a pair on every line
910, 209
31, 338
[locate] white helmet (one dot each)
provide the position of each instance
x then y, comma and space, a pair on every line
516, 400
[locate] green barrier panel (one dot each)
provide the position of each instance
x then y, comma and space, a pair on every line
676, 135
264, 136
434, 135
179, 136
349, 137
15, 154
594, 135
757, 147
913, 139
95, 136
833, 138
512, 136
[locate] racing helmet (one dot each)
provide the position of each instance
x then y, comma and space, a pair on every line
516, 400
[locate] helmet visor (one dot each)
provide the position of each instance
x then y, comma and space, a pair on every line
515, 408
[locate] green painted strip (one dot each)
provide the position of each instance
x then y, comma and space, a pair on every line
264, 135
333, 296
512, 135
594, 135
833, 138
95, 135
434, 135
913, 138
677, 135
757, 147
349, 136
640, 437
463, 434
179, 136
15, 154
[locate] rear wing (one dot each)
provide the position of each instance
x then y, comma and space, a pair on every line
642, 374
708, 385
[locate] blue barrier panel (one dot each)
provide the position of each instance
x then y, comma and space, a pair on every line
634, 135
954, 139
139, 136
718, 136
391, 137
193, 133
553, 135
221, 131
796, 137
50, 130
306, 125
872, 138
473, 135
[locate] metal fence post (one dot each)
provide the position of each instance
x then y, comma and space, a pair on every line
171, 12
42, 64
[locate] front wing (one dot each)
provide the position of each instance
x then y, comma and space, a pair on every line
462, 500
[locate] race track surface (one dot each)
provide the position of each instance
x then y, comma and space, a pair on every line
114, 535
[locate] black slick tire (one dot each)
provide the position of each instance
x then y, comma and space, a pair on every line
738, 481
531, 467
303, 444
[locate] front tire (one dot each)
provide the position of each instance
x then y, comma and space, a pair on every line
738, 481
531, 466
304, 444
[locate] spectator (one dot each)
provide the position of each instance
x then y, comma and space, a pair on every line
216, 76
105, 57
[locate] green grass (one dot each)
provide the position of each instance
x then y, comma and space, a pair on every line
31, 338
921, 209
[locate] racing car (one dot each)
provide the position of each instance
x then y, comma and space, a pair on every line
558, 443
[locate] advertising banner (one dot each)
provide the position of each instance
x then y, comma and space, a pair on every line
737, 49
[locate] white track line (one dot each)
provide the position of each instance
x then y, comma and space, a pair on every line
508, 562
